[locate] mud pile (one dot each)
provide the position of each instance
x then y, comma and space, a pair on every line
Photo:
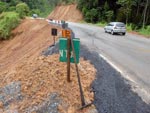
43, 77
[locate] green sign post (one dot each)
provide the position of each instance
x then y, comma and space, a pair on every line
63, 49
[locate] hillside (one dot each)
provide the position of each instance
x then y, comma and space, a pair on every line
28, 78
30, 38
67, 13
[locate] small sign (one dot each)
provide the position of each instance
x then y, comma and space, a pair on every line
63, 50
66, 33
54, 32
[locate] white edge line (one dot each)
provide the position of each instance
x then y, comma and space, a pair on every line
127, 77
112, 64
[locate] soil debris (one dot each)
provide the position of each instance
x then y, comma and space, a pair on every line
44, 76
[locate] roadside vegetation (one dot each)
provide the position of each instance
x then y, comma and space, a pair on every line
12, 11
135, 13
8, 21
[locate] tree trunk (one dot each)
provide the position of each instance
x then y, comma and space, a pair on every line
145, 10
126, 19
148, 13
137, 13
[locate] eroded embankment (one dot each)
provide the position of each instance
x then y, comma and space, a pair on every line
67, 13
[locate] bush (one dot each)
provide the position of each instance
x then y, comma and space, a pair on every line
109, 14
3, 6
34, 11
22, 9
145, 31
12, 8
8, 21
91, 15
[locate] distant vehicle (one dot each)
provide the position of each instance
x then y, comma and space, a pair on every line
34, 15
115, 27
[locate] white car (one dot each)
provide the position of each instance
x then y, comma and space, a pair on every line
35, 16
115, 27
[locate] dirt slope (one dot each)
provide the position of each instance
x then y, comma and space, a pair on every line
27, 78
67, 13
30, 38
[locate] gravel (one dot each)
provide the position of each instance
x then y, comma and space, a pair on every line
48, 106
113, 93
10, 93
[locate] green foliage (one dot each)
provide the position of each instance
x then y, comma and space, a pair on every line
8, 21
106, 6
121, 17
102, 24
44, 6
66, 1
145, 31
3, 7
91, 16
89, 10
22, 9
34, 11
109, 14
128, 11
12, 8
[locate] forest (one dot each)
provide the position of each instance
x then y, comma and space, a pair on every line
41, 7
135, 13
12, 11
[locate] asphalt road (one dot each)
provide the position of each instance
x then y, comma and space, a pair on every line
130, 54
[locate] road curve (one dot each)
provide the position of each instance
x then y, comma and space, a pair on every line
130, 53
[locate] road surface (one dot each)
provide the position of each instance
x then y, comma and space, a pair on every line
130, 54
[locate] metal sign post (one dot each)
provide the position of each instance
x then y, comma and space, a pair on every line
68, 59
54, 33
67, 34
69, 52
79, 81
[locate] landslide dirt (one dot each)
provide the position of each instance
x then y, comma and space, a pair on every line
67, 13
23, 65
29, 39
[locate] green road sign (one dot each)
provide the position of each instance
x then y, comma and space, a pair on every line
63, 50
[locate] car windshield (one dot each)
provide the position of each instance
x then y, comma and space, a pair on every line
120, 25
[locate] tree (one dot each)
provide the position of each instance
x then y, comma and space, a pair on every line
109, 15
8, 21
126, 6
3, 6
145, 12
22, 9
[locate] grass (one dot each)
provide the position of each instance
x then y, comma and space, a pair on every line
129, 27
145, 31
102, 24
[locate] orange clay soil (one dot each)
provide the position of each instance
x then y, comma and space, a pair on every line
30, 38
67, 13
45, 75
21, 60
